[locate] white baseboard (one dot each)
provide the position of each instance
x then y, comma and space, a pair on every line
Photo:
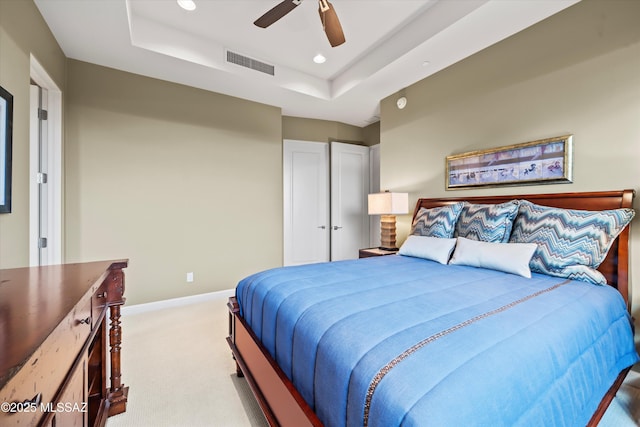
128, 310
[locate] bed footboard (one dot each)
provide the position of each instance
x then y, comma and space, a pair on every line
608, 398
280, 402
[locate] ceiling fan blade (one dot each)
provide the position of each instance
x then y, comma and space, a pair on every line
331, 23
277, 12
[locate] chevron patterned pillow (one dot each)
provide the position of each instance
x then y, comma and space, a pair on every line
571, 243
437, 222
487, 223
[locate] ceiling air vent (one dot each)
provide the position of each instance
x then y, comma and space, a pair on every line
254, 64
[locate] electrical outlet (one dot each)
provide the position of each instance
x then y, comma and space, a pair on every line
190, 276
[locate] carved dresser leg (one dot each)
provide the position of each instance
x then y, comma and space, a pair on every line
117, 393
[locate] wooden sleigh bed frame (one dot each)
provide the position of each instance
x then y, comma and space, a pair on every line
282, 404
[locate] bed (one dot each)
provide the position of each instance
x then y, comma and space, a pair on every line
409, 340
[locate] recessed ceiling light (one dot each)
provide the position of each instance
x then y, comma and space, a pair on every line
187, 4
425, 63
319, 59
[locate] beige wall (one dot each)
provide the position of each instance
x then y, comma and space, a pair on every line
577, 72
176, 179
22, 32
302, 129
372, 134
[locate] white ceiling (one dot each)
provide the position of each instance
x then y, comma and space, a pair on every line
390, 45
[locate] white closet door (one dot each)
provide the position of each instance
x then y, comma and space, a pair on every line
306, 202
374, 187
349, 190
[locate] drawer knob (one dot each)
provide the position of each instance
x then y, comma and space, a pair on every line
85, 321
101, 295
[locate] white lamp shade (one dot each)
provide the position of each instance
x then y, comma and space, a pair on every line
388, 203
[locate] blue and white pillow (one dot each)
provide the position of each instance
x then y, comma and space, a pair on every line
487, 223
437, 222
571, 243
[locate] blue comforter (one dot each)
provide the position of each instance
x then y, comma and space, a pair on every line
389, 341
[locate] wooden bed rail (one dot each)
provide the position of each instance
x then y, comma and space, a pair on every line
279, 401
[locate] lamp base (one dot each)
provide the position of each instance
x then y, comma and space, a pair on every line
388, 232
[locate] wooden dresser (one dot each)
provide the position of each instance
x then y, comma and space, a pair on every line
60, 335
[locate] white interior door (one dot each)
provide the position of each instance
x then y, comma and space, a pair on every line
349, 190
306, 202
45, 169
39, 130
374, 187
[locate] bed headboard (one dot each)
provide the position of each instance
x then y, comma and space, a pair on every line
615, 267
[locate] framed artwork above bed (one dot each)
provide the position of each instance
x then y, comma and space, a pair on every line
543, 161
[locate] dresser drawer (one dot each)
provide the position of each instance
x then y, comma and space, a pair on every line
39, 379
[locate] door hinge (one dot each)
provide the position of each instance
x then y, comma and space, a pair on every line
42, 178
42, 242
42, 114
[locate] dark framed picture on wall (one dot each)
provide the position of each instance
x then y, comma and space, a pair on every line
6, 126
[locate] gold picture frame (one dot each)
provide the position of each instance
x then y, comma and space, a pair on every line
544, 161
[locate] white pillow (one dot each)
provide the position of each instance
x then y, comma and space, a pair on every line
434, 248
508, 257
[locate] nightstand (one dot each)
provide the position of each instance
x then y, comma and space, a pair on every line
369, 252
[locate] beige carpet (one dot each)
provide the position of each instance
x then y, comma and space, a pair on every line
180, 373
179, 370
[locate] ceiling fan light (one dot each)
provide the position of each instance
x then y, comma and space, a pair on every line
187, 4
319, 59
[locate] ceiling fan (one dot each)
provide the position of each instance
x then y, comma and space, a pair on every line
328, 17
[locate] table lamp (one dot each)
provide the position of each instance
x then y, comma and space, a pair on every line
388, 205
